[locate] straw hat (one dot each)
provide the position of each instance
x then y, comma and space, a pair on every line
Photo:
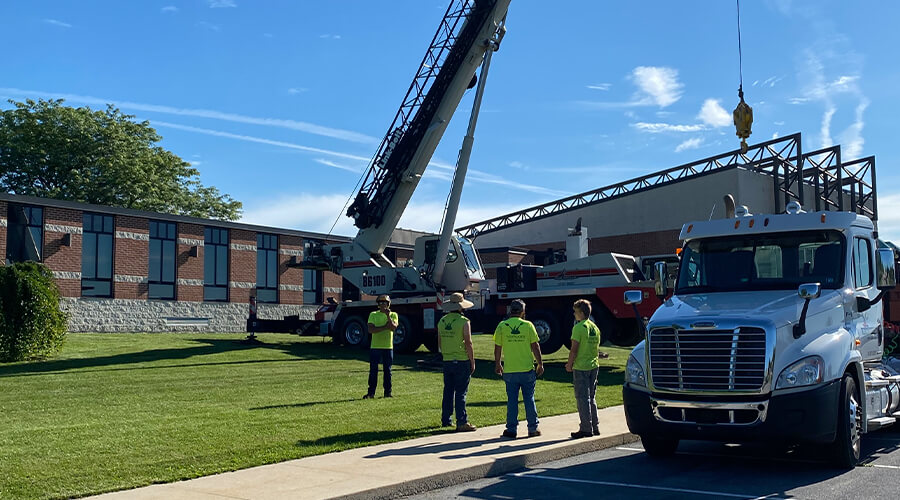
456, 302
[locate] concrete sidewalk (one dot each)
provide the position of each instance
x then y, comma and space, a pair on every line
401, 468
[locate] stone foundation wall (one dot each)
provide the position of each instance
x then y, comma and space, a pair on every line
127, 315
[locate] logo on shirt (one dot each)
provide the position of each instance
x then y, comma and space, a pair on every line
513, 330
592, 332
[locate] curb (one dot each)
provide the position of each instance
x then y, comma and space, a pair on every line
498, 467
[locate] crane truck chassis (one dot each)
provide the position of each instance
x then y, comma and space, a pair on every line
774, 333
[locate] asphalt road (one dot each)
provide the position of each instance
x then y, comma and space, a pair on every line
700, 471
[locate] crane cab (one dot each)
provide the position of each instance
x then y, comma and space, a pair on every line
463, 268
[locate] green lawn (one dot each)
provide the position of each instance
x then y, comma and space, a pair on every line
119, 411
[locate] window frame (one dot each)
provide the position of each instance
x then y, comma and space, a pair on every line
161, 281
26, 228
318, 290
88, 230
856, 254
210, 234
267, 250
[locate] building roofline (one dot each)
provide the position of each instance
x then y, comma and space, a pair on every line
90, 207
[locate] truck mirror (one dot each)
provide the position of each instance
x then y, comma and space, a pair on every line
661, 283
633, 297
809, 291
884, 268
863, 304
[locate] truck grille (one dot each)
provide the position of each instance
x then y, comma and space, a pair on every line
708, 360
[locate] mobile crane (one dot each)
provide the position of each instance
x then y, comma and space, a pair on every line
469, 33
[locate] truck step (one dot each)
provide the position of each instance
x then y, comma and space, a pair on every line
881, 422
878, 382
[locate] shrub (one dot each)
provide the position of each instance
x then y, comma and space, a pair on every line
32, 325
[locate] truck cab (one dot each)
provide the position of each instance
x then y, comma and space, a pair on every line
774, 332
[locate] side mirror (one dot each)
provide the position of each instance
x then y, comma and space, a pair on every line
886, 275
633, 297
661, 283
863, 304
809, 291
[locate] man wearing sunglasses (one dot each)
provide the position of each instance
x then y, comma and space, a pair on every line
382, 324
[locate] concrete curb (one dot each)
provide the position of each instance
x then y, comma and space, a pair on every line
500, 466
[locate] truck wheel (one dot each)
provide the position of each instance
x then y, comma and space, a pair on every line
620, 333
354, 332
846, 445
430, 341
658, 447
549, 334
406, 338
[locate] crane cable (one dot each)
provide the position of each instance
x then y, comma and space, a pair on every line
743, 113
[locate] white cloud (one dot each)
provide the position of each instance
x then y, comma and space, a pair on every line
829, 94
889, 216
169, 9
221, 4
775, 135
825, 129
209, 26
54, 22
713, 114
330, 37
259, 140
310, 128
656, 128
851, 138
297, 90
694, 143
599, 86
658, 85
779, 123
339, 166
317, 212
771, 81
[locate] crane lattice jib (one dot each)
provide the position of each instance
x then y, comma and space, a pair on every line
455, 36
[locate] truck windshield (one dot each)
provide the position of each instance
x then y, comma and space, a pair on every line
774, 261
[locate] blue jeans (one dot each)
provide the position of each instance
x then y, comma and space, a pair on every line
386, 358
456, 385
514, 382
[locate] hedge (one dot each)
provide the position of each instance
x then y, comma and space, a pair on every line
32, 325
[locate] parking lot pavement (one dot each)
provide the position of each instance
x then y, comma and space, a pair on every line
700, 470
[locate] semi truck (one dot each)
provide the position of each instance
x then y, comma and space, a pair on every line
774, 333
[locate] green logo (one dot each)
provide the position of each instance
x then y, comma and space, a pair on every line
513, 330
592, 331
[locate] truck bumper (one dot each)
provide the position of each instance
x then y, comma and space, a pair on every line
800, 417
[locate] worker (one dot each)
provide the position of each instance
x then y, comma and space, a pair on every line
382, 324
516, 339
455, 343
584, 364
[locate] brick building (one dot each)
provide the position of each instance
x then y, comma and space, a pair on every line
129, 270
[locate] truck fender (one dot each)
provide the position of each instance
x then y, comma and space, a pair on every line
854, 367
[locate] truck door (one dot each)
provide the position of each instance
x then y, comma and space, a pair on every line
867, 322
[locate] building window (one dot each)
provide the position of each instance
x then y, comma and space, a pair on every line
312, 286
267, 268
97, 256
215, 265
24, 237
162, 260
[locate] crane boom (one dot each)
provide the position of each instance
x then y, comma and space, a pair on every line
446, 72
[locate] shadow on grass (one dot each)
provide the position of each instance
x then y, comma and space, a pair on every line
484, 369
303, 405
366, 438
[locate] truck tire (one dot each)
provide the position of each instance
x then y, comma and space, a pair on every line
549, 333
658, 447
353, 332
430, 340
846, 446
406, 338
620, 333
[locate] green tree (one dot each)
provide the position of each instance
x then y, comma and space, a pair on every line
103, 157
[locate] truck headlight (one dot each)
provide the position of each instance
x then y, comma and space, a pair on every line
634, 373
807, 371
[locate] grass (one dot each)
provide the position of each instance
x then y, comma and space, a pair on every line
118, 411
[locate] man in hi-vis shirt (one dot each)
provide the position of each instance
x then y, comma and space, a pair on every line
382, 324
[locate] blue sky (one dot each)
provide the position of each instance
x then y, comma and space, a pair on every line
282, 103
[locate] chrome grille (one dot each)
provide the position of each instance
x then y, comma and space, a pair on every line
708, 360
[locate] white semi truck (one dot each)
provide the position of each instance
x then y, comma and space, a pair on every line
774, 332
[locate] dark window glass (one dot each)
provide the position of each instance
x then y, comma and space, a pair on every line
215, 264
862, 263
312, 286
266, 268
162, 260
97, 256
24, 235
